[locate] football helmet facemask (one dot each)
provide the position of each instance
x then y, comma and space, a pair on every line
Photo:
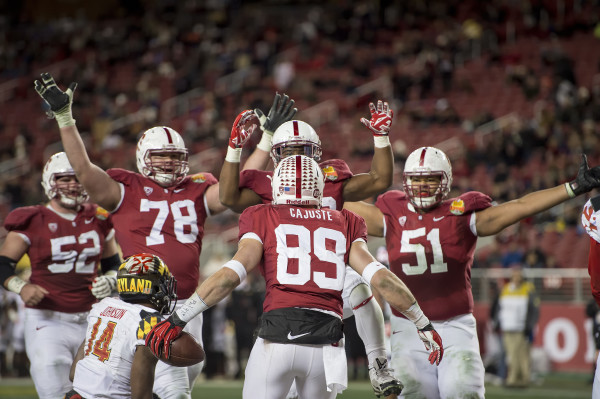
162, 140
427, 162
69, 195
146, 278
298, 180
295, 134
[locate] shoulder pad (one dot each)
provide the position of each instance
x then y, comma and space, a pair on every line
20, 218
122, 175
335, 170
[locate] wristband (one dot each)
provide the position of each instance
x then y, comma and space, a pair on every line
15, 284
191, 308
570, 190
64, 120
416, 315
265, 141
381, 141
233, 155
370, 271
238, 268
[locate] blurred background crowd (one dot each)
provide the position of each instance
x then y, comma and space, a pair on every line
509, 89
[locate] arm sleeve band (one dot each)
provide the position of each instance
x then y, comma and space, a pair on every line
370, 271
238, 268
381, 141
110, 263
7, 268
416, 315
191, 308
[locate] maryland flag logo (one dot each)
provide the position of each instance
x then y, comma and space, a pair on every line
102, 213
148, 321
198, 178
457, 207
330, 173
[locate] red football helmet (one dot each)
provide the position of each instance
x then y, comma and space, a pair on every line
427, 162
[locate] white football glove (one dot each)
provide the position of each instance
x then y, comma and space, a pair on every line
103, 286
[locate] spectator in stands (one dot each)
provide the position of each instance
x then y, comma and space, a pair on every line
518, 312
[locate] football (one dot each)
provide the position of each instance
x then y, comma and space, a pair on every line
185, 351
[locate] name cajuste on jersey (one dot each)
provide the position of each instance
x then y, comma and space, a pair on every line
300, 213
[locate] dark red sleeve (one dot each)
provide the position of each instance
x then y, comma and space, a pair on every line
476, 201
247, 221
594, 268
20, 218
336, 170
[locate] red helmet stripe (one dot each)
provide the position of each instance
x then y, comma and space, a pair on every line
298, 175
422, 157
168, 135
296, 130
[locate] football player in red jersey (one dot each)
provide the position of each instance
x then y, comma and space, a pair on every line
301, 249
254, 187
65, 239
431, 241
590, 219
160, 210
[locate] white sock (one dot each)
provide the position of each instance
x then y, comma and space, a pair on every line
369, 321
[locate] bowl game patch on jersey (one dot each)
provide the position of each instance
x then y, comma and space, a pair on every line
457, 207
330, 173
101, 213
198, 178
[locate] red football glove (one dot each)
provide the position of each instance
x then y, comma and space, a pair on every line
160, 337
239, 135
381, 119
433, 343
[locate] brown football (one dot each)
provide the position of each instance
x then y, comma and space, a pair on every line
185, 351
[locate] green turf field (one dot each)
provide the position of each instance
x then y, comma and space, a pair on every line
572, 386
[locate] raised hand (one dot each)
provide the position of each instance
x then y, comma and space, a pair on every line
381, 118
586, 180
433, 343
58, 100
281, 111
161, 335
239, 135
104, 285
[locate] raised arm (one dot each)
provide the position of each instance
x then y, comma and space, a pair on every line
372, 215
230, 193
492, 220
101, 188
381, 175
210, 292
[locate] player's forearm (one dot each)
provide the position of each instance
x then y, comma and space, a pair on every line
259, 159
75, 149
393, 290
382, 169
493, 220
229, 182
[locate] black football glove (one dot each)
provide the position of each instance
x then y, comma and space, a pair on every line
58, 100
281, 111
586, 180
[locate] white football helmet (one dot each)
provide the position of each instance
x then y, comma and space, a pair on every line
422, 162
294, 134
70, 196
162, 140
298, 180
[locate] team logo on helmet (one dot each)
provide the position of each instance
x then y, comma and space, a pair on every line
457, 207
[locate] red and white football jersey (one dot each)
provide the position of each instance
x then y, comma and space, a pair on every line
64, 253
335, 171
305, 253
433, 253
168, 222
590, 220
